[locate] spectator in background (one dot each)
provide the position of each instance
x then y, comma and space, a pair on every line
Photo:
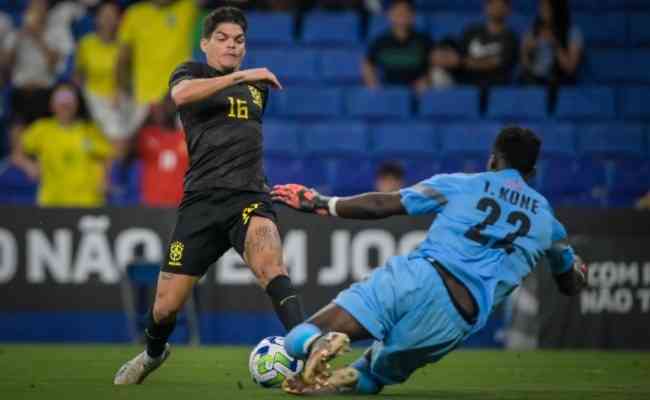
155, 36
95, 71
488, 52
31, 56
71, 154
17, 186
390, 177
162, 148
644, 202
401, 55
552, 50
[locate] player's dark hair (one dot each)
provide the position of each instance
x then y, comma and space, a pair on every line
519, 147
391, 168
219, 16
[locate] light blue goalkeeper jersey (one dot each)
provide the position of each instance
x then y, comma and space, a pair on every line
490, 231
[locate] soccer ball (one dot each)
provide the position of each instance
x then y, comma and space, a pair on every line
269, 364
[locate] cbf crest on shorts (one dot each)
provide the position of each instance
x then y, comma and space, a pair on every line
246, 214
176, 254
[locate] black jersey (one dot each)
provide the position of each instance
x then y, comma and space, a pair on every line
223, 133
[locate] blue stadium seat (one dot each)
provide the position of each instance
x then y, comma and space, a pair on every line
633, 5
305, 102
378, 103
281, 169
269, 28
520, 23
379, 24
522, 103
414, 145
558, 139
627, 181
331, 28
289, 66
604, 29
341, 138
125, 183
461, 5
619, 65
467, 139
615, 140
634, 101
281, 138
454, 102
404, 139
571, 182
15, 186
638, 31
586, 102
341, 66
451, 24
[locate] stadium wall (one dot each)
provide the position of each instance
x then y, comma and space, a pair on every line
61, 276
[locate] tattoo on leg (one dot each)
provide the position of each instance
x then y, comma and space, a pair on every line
262, 239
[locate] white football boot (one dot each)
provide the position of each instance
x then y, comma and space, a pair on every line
134, 372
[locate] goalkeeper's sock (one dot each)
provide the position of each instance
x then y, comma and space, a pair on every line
298, 341
286, 302
157, 334
366, 384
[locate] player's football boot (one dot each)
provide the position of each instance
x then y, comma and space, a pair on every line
133, 372
324, 349
343, 380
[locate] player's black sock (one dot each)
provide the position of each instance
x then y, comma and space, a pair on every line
156, 335
286, 302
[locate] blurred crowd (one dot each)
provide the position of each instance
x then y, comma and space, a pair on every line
91, 122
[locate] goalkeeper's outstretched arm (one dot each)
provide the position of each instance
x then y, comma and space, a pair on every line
363, 206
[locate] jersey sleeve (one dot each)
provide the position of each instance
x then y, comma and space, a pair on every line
560, 255
184, 71
430, 195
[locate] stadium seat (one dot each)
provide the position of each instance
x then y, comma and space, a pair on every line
558, 139
281, 169
306, 102
571, 182
289, 66
269, 28
586, 102
520, 103
341, 66
467, 139
378, 103
15, 186
639, 34
331, 28
615, 140
281, 138
627, 181
452, 24
418, 153
404, 139
634, 101
619, 65
454, 102
379, 24
342, 138
602, 29
125, 184
461, 5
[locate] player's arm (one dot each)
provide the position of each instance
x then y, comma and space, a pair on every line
187, 90
363, 206
569, 271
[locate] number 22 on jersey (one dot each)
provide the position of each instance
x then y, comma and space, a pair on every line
238, 108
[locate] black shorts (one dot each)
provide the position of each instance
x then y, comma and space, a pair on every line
209, 223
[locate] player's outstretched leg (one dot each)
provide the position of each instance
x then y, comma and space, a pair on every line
171, 294
324, 337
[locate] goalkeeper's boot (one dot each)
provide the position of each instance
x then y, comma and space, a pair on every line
343, 380
324, 349
135, 371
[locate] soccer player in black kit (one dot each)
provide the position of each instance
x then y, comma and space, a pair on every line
226, 202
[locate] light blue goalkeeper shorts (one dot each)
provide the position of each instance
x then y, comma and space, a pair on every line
406, 307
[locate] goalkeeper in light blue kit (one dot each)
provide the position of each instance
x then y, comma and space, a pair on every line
490, 231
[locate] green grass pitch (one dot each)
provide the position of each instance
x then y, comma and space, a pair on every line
74, 372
